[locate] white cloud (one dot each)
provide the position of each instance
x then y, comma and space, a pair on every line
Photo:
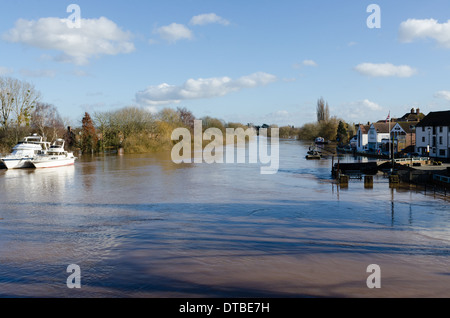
5, 70
164, 94
443, 94
385, 70
367, 104
309, 63
362, 110
174, 32
208, 18
95, 37
412, 29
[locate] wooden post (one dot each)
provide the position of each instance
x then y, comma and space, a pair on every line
343, 180
393, 178
332, 167
368, 181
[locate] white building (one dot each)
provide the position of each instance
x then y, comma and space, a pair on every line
362, 138
433, 135
378, 137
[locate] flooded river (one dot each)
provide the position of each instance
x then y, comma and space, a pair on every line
142, 226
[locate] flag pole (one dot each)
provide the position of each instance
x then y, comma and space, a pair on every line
392, 151
389, 144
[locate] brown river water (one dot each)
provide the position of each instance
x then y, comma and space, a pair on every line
143, 226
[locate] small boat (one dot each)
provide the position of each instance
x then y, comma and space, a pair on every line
312, 150
314, 155
56, 156
24, 152
320, 141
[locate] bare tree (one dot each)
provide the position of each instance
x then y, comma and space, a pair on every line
25, 99
186, 117
47, 120
323, 111
6, 101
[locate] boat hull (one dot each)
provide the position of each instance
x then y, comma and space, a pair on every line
53, 163
17, 163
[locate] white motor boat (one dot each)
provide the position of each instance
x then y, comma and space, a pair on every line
56, 156
24, 152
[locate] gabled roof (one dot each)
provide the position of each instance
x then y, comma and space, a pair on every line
436, 119
411, 117
382, 127
364, 128
408, 127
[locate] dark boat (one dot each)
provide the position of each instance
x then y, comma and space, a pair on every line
313, 155
320, 141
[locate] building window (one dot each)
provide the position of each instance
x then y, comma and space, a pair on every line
423, 139
440, 139
440, 129
442, 152
423, 128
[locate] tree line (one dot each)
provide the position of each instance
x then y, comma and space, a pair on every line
329, 127
133, 129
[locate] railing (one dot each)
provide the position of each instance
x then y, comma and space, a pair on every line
411, 159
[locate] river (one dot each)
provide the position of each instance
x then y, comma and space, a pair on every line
143, 226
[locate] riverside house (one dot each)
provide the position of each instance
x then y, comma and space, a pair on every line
362, 138
433, 135
378, 137
403, 132
403, 136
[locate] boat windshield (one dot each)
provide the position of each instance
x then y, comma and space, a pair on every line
21, 153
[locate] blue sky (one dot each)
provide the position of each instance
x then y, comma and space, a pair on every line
244, 61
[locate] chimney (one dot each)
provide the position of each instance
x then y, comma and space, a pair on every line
412, 110
418, 111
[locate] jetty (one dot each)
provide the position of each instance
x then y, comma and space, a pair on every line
372, 167
419, 171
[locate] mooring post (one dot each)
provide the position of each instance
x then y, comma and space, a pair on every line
332, 167
393, 178
343, 180
368, 181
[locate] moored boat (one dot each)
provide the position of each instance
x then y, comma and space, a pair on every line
24, 152
56, 156
313, 155
313, 150
320, 141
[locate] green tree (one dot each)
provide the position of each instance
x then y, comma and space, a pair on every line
342, 133
88, 135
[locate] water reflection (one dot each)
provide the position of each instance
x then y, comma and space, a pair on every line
32, 184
